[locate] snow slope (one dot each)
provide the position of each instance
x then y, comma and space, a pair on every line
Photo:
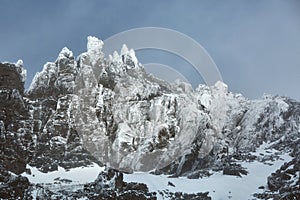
219, 186
72, 179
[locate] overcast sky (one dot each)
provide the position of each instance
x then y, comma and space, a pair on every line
255, 44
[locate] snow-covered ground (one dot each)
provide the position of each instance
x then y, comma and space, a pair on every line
64, 179
219, 186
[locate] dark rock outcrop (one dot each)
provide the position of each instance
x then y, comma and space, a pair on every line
11, 77
285, 182
110, 185
180, 195
12, 187
15, 127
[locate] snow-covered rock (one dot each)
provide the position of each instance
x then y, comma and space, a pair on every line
110, 111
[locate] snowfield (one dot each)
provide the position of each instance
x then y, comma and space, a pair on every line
219, 186
72, 179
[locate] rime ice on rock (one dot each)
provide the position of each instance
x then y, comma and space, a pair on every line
64, 53
131, 120
94, 49
124, 50
57, 77
23, 73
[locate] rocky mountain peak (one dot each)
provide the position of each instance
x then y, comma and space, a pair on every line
110, 111
65, 53
138, 122
12, 76
94, 49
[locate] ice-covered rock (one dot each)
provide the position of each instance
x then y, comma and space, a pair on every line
91, 107
23, 72
55, 78
130, 120
94, 49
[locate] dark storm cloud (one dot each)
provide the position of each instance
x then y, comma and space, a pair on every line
255, 44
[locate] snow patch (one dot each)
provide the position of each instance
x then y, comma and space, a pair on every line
218, 185
79, 175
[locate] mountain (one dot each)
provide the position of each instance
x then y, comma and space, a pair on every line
107, 111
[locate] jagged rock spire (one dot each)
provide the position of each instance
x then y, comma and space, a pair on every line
94, 49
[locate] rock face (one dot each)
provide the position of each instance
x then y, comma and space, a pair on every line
12, 76
15, 138
12, 187
123, 116
110, 111
33, 129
